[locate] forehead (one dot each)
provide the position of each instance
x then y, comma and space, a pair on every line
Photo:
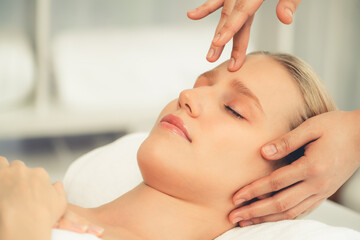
278, 93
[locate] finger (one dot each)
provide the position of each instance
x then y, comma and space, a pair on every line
286, 9
72, 222
240, 14
277, 180
59, 187
66, 224
17, 164
95, 230
240, 43
3, 162
280, 202
207, 8
214, 51
311, 208
283, 146
289, 214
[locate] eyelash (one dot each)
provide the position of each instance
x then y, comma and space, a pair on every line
236, 114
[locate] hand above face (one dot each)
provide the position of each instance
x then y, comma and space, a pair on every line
332, 155
235, 22
28, 201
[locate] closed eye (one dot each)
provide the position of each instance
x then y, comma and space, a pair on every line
236, 114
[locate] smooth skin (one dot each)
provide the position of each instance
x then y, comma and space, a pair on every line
235, 23
333, 151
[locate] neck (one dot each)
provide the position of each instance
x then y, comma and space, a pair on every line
150, 214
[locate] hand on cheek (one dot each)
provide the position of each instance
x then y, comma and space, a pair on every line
331, 157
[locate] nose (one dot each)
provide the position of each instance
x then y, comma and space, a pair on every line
189, 101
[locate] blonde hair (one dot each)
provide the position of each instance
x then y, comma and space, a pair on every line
317, 99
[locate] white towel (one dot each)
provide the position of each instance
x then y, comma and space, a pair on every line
58, 234
291, 229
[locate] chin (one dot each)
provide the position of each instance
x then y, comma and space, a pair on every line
165, 166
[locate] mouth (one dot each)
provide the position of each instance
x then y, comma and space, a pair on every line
175, 125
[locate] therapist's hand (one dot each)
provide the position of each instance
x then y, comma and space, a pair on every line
235, 22
332, 155
29, 203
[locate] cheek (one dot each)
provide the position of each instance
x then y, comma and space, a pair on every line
231, 160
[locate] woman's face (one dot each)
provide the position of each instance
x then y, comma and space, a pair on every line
228, 116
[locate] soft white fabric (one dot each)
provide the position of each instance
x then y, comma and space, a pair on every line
291, 229
58, 234
106, 173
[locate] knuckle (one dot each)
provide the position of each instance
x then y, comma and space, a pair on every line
225, 14
241, 8
321, 186
284, 145
280, 205
229, 28
41, 172
290, 214
18, 164
275, 184
317, 170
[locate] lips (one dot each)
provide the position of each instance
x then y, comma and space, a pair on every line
176, 125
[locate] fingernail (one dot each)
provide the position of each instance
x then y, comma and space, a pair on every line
79, 227
96, 230
217, 37
232, 63
236, 220
246, 223
270, 150
210, 53
289, 12
239, 201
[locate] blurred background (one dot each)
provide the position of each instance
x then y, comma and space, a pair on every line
78, 74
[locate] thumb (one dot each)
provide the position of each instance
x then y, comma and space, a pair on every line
286, 9
291, 141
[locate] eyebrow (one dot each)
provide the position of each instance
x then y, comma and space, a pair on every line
237, 84
241, 87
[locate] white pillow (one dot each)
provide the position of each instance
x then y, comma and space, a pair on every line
108, 172
104, 174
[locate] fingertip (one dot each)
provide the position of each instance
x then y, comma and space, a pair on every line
235, 64
269, 151
285, 13
191, 14
233, 217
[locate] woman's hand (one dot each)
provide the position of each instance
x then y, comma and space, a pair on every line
29, 204
332, 155
235, 22
71, 221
